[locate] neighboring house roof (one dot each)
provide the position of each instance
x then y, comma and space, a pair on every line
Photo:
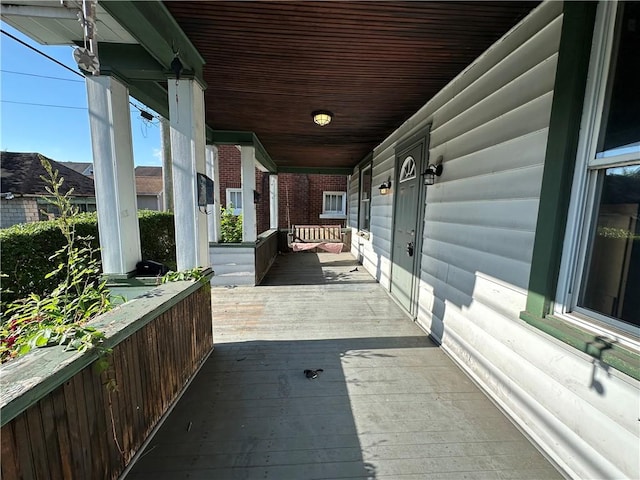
20, 174
148, 185
148, 180
85, 168
149, 172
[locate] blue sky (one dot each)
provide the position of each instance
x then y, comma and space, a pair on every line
59, 130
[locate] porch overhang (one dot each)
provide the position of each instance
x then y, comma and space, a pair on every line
266, 66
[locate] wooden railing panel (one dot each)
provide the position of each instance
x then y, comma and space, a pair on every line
82, 429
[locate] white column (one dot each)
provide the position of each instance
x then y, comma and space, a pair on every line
248, 169
273, 202
113, 170
167, 176
214, 210
186, 117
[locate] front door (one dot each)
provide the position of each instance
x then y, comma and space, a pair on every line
407, 233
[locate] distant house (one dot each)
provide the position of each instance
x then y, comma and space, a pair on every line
304, 199
149, 187
22, 188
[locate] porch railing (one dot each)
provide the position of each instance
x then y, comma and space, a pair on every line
62, 418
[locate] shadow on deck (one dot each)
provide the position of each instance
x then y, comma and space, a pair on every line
388, 404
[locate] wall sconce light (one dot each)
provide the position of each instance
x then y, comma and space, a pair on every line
322, 117
432, 171
385, 188
256, 196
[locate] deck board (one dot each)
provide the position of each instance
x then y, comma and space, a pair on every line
388, 405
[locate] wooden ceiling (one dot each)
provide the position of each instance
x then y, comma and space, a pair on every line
269, 64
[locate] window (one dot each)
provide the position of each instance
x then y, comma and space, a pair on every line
334, 205
364, 215
234, 200
600, 275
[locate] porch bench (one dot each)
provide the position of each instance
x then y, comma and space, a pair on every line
307, 237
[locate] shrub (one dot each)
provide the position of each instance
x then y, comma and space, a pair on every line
230, 226
27, 250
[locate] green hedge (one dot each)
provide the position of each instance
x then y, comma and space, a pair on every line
27, 248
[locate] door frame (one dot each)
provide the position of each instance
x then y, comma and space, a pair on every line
423, 136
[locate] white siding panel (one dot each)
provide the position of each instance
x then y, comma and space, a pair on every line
522, 183
505, 242
517, 214
523, 120
528, 71
520, 152
529, 86
510, 271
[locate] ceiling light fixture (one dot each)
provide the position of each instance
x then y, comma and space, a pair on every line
322, 117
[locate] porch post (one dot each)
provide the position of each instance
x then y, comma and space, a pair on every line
110, 124
186, 117
273, 202
248, 169
167, 183
212, 172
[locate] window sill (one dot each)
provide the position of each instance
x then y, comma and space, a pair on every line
620, 357
336, 216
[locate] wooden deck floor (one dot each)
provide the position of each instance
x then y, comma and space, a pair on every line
388, 405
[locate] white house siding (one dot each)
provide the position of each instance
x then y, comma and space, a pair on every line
490, 124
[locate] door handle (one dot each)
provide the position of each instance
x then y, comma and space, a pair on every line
410, 248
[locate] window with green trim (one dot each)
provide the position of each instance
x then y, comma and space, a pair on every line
364, 214
600, 278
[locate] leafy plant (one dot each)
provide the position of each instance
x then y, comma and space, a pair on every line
60, 316
230, 226
194, 274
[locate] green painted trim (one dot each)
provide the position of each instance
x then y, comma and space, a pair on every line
562, 143
26, 380
606, 350
122, 281
117, 277
228, 137
263, 156
233, 245
316, 170
367, 158
130, 61
150, 94
151, 24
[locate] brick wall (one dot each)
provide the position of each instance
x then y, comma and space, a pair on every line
299, 195
18, 210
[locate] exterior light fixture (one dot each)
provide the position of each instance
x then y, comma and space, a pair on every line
431, 172
322, 117
385, 188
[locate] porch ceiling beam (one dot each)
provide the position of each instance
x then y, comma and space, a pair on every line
227, 137
151, 24
131, 61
